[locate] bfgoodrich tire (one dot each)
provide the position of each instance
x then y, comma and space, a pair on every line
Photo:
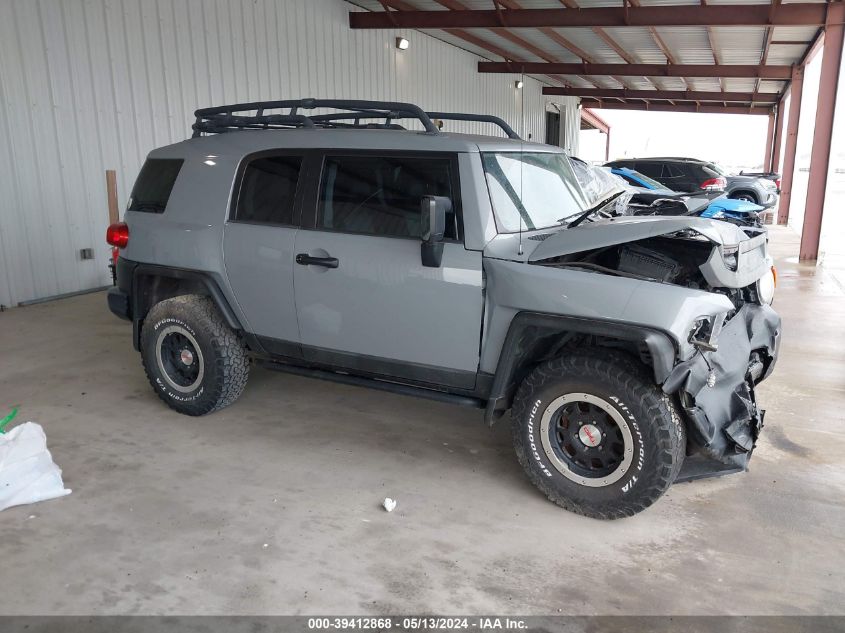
193, 360
595, 434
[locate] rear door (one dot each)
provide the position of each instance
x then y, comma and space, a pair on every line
363, 297
258, 243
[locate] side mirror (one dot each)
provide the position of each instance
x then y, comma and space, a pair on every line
434, 210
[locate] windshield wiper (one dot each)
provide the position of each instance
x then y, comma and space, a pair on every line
583, 216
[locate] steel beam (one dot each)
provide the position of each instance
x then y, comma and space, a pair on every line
834, 38
770, 132
797, 14
665, 95
796, 87
779, 73
666, 107
778, 135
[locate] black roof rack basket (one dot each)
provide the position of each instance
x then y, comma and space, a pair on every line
253, 116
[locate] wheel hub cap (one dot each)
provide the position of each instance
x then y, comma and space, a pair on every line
186, 356
590, 435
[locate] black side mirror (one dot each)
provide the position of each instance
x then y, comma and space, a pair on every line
434, 210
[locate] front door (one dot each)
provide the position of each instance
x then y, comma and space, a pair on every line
363, 298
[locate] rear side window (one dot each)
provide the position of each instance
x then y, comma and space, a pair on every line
652, 170
268, 190
381, 195
154, 184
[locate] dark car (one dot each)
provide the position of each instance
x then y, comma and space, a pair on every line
678, 174
693, 175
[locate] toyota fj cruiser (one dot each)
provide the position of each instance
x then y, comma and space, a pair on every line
475, 270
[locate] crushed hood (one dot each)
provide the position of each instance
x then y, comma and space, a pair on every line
620, 230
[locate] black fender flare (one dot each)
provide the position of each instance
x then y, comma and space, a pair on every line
135, 270
527, 327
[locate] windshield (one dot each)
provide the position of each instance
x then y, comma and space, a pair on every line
532, 190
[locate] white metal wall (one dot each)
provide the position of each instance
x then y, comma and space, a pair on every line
90, 85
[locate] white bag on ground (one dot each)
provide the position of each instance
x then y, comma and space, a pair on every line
27, 471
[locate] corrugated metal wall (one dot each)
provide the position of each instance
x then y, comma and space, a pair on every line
90, 85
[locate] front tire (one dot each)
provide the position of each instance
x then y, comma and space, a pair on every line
193, 360
596, 435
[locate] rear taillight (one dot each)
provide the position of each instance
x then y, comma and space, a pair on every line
118, 234
777, 182
714, 183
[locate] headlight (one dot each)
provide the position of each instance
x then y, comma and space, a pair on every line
766, 287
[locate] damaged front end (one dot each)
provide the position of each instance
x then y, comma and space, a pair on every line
721, 357
715, 386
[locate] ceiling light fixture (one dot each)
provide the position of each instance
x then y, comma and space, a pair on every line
518, 84
402, 44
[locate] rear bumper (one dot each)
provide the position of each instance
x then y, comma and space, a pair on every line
716, 389
120, 296
119, 303
769, 200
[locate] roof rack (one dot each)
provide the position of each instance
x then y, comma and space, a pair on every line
479, 118
229, 117
252, 116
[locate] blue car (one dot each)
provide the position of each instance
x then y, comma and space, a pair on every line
722, 208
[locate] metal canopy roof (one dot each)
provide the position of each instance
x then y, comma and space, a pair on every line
680, 55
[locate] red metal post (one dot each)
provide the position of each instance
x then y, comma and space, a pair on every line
795, 90
825, 111
778, 136
767, 157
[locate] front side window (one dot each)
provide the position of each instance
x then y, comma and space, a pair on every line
155, 182
268, 190
381, 195
531, 190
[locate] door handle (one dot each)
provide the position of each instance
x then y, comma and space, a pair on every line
305, 259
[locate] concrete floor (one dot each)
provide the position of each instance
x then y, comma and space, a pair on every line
272, 506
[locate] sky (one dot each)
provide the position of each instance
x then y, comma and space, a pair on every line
732, 140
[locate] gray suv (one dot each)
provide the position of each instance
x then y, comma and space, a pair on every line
474, 270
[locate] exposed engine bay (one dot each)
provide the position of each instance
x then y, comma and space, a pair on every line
674, 259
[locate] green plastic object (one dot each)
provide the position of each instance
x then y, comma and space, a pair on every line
8, 418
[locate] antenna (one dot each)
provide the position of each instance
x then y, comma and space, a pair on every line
521, 157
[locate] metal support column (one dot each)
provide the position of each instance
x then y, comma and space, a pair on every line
795, 90
778, 135
820, 155
770, 132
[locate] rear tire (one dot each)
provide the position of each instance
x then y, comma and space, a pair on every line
193, 360
596, 435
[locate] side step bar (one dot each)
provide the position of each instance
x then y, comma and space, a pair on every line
381, 385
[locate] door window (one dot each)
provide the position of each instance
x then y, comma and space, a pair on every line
268, 190
381, 195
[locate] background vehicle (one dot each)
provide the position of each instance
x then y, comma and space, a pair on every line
690, 174
474, 270
678, 174
721, 208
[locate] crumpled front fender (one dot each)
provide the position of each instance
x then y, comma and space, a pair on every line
717, 388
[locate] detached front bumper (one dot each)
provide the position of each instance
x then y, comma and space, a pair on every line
716, 389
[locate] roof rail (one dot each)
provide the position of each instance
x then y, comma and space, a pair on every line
234, 117
480, 118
